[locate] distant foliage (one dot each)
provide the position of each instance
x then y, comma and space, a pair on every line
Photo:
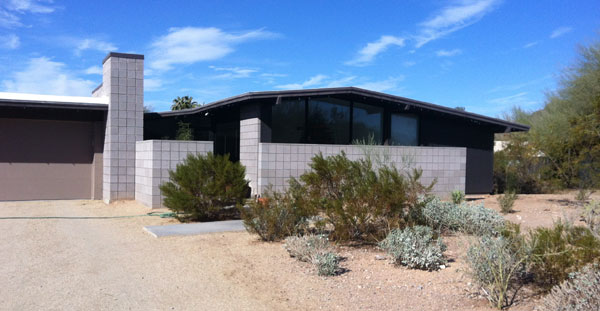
474, 219
184, 131
415, 247
275, 215
201, 186
497, 265
583, 195
185, 102
458, 196
507, 201
314, 249
581, 292
591, 216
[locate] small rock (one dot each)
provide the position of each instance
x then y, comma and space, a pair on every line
379, 257
442, 266
420, 287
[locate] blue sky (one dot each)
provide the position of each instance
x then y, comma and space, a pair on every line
485, 55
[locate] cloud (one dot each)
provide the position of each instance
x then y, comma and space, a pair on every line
194, 44
531, 44
43, 76
10, 10
453, 18
409, 63
94, 45
520, 99
94, 70
311, 82
9, 42
372, 49
448, 53
560, 31
382, 85
233, 72
152, 84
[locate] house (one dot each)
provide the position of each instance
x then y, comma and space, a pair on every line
106, 147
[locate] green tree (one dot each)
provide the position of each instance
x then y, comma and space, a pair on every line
185, 102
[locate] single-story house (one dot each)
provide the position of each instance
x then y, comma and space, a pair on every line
106, 147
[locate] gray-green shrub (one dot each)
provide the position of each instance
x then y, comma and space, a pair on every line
497, 264
314, 249
415, 247
457, 196
473, 219
506, 201
580, 293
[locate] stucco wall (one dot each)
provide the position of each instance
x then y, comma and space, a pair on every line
280, 161
154, 159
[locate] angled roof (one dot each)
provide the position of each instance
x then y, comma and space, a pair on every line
511, 126
52, 101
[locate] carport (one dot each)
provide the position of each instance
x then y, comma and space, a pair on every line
51, 147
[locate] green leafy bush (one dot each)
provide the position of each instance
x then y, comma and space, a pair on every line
497, 264
314, 249
201, 186
458, 196
275, 215
561, 250
474, 219
184, 131
580, 293
506, 201
359, 201
415, 247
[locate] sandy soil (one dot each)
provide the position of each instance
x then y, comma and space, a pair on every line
112, 264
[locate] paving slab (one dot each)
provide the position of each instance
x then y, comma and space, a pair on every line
195, 228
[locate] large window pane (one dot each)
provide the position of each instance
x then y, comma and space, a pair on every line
404, 130
328, 121
367, 122
287, 121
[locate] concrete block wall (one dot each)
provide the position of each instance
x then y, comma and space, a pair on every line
280, 161
154, 159
123, 85
249, 143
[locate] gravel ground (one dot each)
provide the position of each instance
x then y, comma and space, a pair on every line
112, 264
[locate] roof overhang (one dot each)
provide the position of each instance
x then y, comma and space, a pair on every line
509, 126
19, 100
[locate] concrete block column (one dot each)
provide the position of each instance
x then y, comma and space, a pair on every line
249, 140
123, 84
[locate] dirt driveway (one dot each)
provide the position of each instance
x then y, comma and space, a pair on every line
107, 264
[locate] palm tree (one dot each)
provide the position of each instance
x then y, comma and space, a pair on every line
185, 102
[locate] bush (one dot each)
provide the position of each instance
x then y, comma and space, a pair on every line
201, 186
497, 265
580, 293
275, 216
473, 219
591, 216
506, 201
415, 247
314, 249
184, 131
458, 196
583, 195
560, 250
359, 201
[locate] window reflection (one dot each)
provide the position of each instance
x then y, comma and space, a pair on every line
404, 130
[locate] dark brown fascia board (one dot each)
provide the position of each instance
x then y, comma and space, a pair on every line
122, 55
50, 104
348, 90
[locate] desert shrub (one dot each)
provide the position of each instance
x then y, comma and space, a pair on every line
415, 247
202, 185
591, 216
359, 201
497, 265
275, 215
580, 293
506, 201
457, 196
560, 250
583, 195
314, 249
184, 131
474, 219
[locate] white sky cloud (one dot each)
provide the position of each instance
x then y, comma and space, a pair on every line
531, 44
448, 53
321, 80
453, 18
93, 70
9, 42
152, 84
10, 10
560, 31
233, 72
388, 84
195, 44
94, 45
43, 76
311, 82
372, 49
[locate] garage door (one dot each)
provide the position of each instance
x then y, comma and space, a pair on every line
45, 159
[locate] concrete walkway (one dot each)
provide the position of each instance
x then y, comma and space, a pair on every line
195, 228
